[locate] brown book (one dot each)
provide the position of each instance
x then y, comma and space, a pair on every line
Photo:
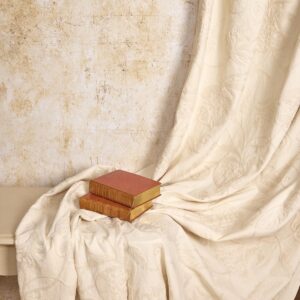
125, 188
111, 208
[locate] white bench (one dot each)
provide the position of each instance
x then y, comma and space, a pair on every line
14, 203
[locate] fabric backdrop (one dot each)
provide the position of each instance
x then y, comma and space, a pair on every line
227, 225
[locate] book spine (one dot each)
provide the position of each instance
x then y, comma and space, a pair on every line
105, 209
109, 193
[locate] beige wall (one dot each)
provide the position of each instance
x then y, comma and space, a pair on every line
85, 82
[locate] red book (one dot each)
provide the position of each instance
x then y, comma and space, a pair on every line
125, 188
111, 208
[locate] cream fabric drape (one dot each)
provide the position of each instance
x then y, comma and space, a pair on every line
227, 225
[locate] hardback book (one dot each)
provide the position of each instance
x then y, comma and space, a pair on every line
111, 208
125, 188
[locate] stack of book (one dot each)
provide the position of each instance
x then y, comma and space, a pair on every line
120, 194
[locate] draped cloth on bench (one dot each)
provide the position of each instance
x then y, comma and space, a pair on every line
227, 225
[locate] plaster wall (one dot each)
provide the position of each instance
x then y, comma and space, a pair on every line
87, 82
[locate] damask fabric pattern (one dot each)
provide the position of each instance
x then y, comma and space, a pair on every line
227, 225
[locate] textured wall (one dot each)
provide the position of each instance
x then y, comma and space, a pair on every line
85, 82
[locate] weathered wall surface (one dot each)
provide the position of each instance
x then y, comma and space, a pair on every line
86, 82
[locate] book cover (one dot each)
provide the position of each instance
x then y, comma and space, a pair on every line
125, 188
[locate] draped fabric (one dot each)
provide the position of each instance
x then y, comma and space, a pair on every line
227, 225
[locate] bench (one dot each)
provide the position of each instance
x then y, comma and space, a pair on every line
14, 203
